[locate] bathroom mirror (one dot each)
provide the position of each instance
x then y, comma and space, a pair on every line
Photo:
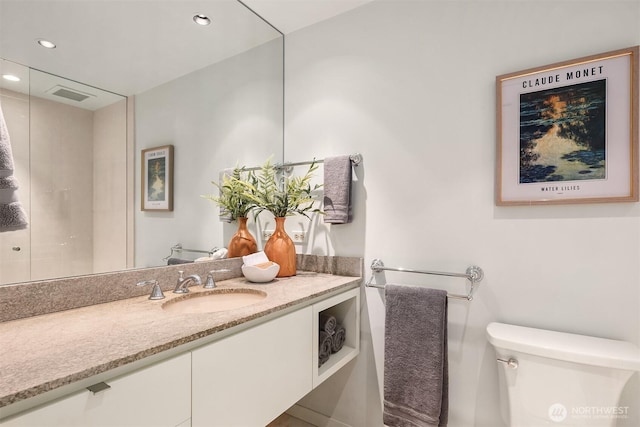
214, 92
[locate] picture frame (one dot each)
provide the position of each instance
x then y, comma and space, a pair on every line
157, 179
568, 132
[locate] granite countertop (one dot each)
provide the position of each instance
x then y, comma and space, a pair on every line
44, 352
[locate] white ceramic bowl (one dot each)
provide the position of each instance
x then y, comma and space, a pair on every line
259, 274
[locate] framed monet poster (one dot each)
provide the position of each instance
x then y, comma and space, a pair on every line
157, 178
568, 132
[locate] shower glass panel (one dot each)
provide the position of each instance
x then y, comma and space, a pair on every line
69, 141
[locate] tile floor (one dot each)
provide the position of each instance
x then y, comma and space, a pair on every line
286, 420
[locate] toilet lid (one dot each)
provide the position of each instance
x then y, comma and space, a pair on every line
565, 346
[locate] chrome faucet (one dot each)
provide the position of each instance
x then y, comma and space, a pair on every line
181, 285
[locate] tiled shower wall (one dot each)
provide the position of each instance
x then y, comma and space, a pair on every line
73, 193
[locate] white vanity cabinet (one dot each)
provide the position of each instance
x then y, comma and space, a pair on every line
155, 396
246, 377
249, 378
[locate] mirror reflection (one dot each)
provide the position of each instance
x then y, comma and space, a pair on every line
212, 92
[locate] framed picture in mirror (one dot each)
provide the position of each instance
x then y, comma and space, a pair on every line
568, 132
157, 179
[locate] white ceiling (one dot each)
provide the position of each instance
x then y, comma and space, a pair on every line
126, 46
291, 15
130, 46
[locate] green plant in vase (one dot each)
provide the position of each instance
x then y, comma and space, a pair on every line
235, 204
270, 190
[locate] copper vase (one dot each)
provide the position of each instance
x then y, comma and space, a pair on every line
242, 243
281, 250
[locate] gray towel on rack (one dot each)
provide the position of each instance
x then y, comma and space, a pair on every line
176, 261
416, 379
12, 215
6, 156
337, 190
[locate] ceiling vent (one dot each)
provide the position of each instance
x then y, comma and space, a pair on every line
68, 93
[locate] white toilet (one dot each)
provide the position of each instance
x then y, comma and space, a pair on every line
556, 378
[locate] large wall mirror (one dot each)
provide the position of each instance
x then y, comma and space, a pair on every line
123, 77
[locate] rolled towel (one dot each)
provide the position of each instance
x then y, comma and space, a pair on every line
324, 348
328, 323
337, 339
337, 190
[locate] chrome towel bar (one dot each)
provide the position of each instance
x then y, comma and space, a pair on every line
356, 159
473, 274
178, 248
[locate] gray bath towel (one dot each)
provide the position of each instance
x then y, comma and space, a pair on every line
8, 183
324, 347
176, 261
338, 338
6, 157
416, 377
12, 215
328, 323
337, 190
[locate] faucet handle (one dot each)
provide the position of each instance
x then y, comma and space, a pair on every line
156, 292
210, 284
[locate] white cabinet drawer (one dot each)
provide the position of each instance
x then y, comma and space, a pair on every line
159, 395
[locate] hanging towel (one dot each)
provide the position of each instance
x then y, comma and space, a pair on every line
6, 157
224, 216
176, 261
416, 377
12, 214
337, 190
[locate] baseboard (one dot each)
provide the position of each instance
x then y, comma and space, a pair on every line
313, 417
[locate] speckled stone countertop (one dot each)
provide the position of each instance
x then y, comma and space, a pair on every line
48, 351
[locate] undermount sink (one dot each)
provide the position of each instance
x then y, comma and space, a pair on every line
213, 301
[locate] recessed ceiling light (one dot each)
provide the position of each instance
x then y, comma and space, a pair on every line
201, 19
11, 77
47, 44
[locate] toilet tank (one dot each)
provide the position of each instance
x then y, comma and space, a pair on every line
561, 378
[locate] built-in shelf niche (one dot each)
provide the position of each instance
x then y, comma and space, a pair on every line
345, 308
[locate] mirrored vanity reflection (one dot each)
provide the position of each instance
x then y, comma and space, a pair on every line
114, 85
71, 165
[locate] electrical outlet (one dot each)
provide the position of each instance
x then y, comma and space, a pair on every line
299, 236
266, 234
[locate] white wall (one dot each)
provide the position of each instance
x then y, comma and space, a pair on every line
411, 86
227, 114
